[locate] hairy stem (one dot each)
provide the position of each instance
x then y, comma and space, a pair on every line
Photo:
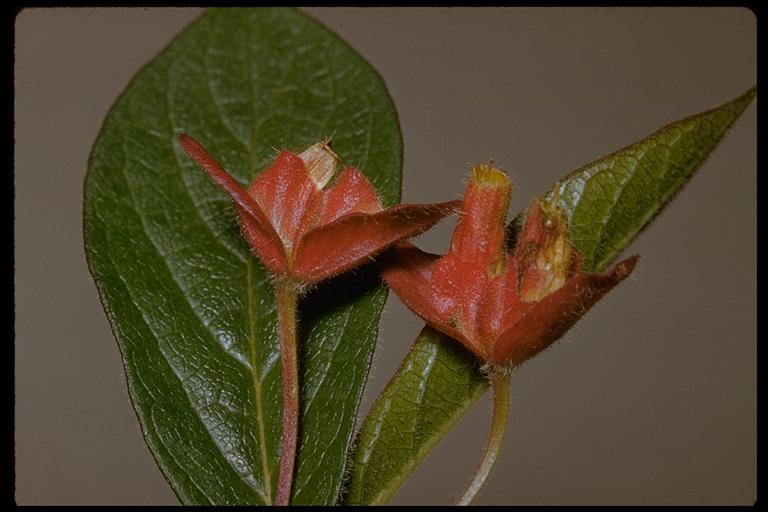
500, 390
286, 315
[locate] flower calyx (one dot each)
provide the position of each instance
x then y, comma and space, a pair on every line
505, 307
305, 231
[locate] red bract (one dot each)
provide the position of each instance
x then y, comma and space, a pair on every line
305, 233
504, 307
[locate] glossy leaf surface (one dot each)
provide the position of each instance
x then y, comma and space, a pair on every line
192, 310
607, 203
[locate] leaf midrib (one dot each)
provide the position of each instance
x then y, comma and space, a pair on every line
250, 146
256, 380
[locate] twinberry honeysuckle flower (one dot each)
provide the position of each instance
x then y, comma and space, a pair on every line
305, 231
503, 306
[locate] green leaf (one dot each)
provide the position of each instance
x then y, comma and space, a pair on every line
436, 384
608, 202
193, 312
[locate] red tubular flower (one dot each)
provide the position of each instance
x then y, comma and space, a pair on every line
305, 233
504, 307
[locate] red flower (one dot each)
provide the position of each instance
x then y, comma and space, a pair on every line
504, 307
305, 233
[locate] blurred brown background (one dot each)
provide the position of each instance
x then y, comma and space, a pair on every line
650, 400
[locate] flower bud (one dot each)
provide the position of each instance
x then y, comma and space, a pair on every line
321, 162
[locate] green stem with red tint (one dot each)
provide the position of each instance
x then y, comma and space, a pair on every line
287, 299
500, 389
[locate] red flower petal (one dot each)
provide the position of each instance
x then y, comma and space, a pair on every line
258, 229
287, 194
551, 317
408, 272
352, 193
330, 249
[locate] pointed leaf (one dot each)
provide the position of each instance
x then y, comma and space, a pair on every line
607, 203
193, 312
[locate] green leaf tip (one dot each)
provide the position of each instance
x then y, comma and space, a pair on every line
609, 201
